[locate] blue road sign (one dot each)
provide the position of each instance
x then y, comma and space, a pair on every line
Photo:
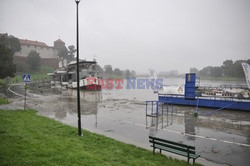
26, 77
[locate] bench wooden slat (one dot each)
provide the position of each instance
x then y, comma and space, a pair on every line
169, 146
171, 150
182, 148
175, 143
193, 156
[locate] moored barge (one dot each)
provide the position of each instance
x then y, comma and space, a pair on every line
193, 97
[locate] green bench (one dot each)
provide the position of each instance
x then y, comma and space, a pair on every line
173, 147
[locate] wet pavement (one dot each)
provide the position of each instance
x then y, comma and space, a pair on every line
223, 137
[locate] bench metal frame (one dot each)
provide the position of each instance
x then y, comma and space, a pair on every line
174, 147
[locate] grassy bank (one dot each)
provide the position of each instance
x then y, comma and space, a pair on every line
29, 139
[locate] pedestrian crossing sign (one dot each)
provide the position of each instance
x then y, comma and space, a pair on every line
26, 77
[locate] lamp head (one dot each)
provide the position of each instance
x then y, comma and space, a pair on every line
77, 1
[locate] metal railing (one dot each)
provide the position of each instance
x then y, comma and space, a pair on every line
156, 108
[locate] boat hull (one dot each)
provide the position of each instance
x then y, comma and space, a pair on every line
92, 87
89, 83
207, 102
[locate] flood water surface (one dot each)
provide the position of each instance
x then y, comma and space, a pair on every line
222, 137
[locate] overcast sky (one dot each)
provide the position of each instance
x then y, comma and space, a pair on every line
138, 34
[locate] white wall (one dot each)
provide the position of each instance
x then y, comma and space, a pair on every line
44, 52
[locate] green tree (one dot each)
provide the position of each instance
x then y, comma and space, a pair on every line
193, 70
4, 40
205, 72
215, 72
248, 61
133, 73
63, 53
99, 70
71, 52
227, 68
8, 46
108, 69
10, 42
118, 72
34, 61
14, 44
7, 68
127, 73
237, 69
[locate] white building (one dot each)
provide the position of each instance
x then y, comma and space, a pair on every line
43, 49
47, 53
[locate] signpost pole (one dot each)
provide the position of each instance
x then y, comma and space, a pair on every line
26, 78
25, 88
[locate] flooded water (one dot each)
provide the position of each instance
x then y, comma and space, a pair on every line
222, 137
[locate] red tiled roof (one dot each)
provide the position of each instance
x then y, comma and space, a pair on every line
33, 43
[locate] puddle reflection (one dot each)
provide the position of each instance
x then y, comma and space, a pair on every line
89, 103
189, 122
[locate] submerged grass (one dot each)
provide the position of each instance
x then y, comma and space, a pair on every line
3, 100
30, 139
34, 75
1, 82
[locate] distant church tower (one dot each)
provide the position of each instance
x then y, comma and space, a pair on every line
59, 44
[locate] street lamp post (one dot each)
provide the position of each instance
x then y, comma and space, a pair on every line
77, 71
